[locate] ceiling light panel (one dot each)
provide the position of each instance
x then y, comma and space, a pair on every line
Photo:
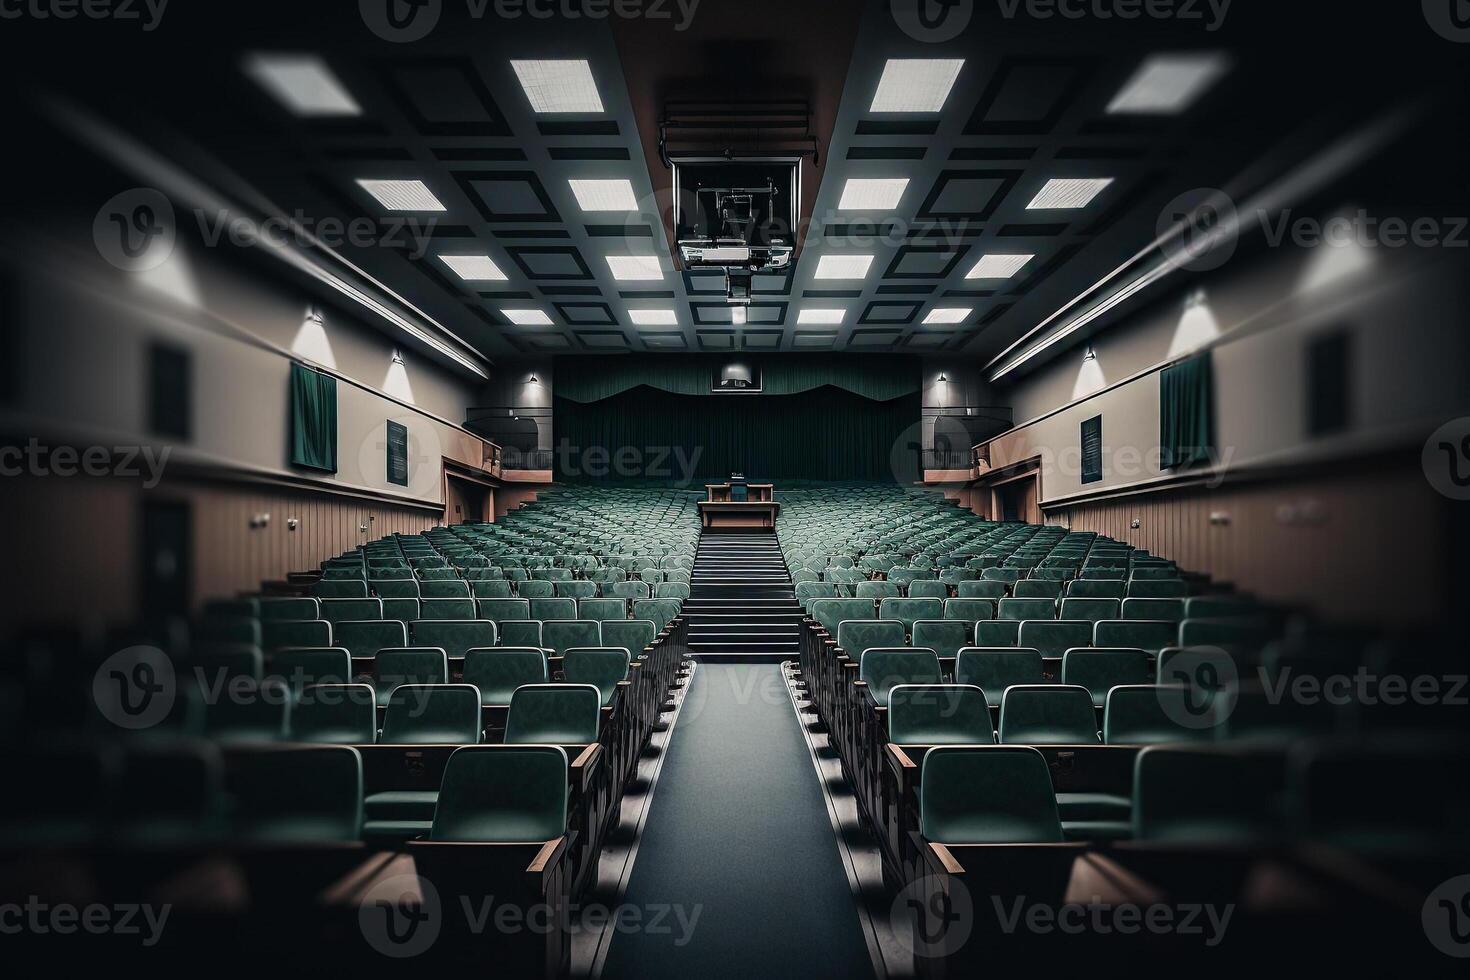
558, 86
916, 84
402, 195
527, 318
948, 315
1068, 193
604, 195
998, 266
303, 84
820, 316
872, 193
1168, 84
654, 318
635, 268
843, 266
474, 268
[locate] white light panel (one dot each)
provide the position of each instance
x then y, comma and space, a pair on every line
1167, 84
916, 84
604, 195
558, 86
947, 314
635, 268
820, 316
998, 266
843, 266
474, 268
302, 83
654, 318
527, 318
872, 193
402, 195
1068, 193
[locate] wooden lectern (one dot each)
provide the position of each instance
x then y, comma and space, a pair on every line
739, 506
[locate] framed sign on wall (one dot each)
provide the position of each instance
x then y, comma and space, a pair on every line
397, 454
1091, 441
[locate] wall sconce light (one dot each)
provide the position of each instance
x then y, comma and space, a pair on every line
292, 523
1091, 354
397, 357
534, 380
943, 380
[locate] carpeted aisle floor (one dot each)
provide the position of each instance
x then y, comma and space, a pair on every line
738, 860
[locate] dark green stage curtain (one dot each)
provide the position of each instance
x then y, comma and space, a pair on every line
589, 379
823, 434
1187, 412
313, 419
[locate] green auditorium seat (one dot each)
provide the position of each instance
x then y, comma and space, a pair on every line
981, 590
1055, 637
1158, 573
408, 665
855, 636
342, 589
661, 612
1009, 576
1017, 610
405, 589
536, 589
521, 633
292, 633
1143, 634
243, 711
561, 635
495, 588
997, 633
452, 589
944, 636
1170, 610
1038, 588
498, 671
1097, 589
1236, 633
1048, 714
633, 635
342, 610
447, 609
295, 795
602, 610
987, 795
907, 611
437, 574
939, 714
671, 590
882, 669
501, 610
627, 590
1158, 589
1152, 714
403, 610
548, 609
341, 574
832, 612
602, 667
1090, 610
454, 637
876, 590
273, 609
1101, 670
554, 714
503, 794
337, 714
300, 667
969, 610
366, 638
432, 714
376, 575
1209, 795
928, 590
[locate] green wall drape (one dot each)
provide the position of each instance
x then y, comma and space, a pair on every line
590, 379
822, 434
313, 419
1187, 412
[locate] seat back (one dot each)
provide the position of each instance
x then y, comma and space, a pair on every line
1150, 635
432, 714
272, 609
1023, 609
521, 633
832, 612
1090, 610
939, 714
278, 634
536, 589
1048, 714
453, 637
1055, 637
510, 794
1171, 610
602, 667
855, 636
460, 609
661, 612
553, 714
336, 714
364, 638
987, 795
908, 611
1208, 794
500, 610
300, 668
1151, 714
408, 665
454, 588
245, 711
561, 635
633, 635
1038, 588
290, 794
925, 589
490, 588
1102, 670
979, 589
602, 610
498, 671
969, 610
944, 636
343, 610
549, 609
883, 669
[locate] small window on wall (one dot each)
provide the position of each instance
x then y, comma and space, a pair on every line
169, 392
1329, 383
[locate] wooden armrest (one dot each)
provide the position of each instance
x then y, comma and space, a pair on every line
941, 858
546, 860
900, 759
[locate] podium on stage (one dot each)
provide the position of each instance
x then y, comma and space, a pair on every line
739, 506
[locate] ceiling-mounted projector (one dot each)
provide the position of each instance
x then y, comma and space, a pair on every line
736, 215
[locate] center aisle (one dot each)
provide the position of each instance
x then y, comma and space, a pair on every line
738, 834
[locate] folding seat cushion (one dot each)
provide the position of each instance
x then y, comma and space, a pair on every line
1209, 794
1102, 670
505, 794
981, 590
1171, 610
633, 635
272, 609
987, 795
341, 610
405, 589
627, 590
1038, 588
498, 671
661, 612
366, 637
274, 635
1149, 714
520, 633
907, 611
580, 589
855, 636
1048, 714
1055, 637
882, 669
494, 588
602, 667
219, 663
333, 714
997, 633
450, 589
944, 636
294, 794
432, 714
536, 589
602, 610
969, 610
1144, 634
877, 590
1090, 610
1021, 609
671, 590
1084, 588
1007, 575
454, 637
302, 667
244, 711
939, 714
928, 590
408, 665
554, 714
447, 609
500, 610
